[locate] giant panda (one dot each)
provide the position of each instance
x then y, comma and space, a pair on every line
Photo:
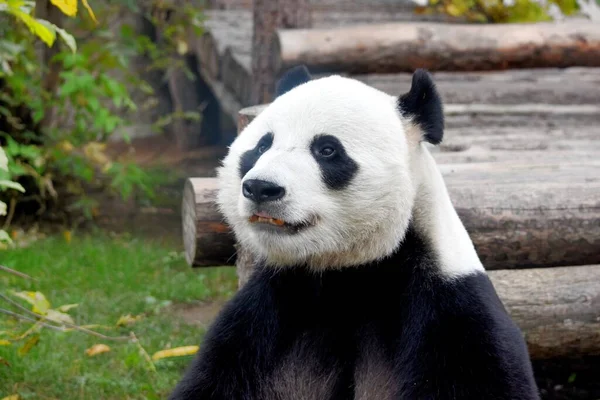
367, 285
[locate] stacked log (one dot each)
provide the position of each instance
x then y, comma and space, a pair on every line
403, 47
544, 227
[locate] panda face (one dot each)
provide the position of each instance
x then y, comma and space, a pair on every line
321, 177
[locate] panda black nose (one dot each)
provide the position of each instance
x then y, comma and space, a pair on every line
262, 191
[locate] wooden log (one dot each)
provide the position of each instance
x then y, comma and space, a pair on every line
520, 213
512, 224
205, 237
558, 309
268, 16
403, 47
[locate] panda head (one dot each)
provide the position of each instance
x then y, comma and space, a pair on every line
323, 176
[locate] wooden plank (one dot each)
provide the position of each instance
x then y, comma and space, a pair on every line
403, 47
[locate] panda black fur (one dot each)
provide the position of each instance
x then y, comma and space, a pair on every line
387, 299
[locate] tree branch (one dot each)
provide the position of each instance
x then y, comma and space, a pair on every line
41, 319
17, 273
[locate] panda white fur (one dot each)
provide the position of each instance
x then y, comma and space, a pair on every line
368, 285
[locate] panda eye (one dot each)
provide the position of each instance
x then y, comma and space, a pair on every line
327, 151
264, 143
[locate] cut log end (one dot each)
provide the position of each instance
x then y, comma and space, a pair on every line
188, 222
207, 239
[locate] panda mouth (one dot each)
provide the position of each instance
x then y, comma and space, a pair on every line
266, 220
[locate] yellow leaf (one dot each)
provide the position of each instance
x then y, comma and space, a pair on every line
68, 7
12, 397
37, 299
67, 307
59, 317
453, 10
97, 349
4, 342
3, 160
182, 47
94, 151
32, 341
65, 146
175, 352
125, 320
67, 235
39, 27
89, 10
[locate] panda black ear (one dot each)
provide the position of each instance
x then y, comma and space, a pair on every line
424, 106
292, 78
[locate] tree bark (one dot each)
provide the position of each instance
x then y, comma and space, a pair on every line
185, 98
403, 47
268, 16
49, 12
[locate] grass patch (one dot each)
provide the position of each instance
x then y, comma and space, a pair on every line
108, 277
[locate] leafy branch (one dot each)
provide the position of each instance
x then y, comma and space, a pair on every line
45, 320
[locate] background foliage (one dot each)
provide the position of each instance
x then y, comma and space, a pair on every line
61, 103
502, 11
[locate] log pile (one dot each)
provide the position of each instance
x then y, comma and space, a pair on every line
520, 153
529, 196
367, 43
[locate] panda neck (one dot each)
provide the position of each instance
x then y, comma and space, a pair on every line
436, 220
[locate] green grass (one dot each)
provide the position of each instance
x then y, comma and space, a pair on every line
108, 278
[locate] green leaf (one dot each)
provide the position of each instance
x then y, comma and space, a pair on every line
11, 185
68, 38
4, 237
2, 208
3, 160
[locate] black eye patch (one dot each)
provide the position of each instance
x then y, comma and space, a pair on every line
249, 158
337, 167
